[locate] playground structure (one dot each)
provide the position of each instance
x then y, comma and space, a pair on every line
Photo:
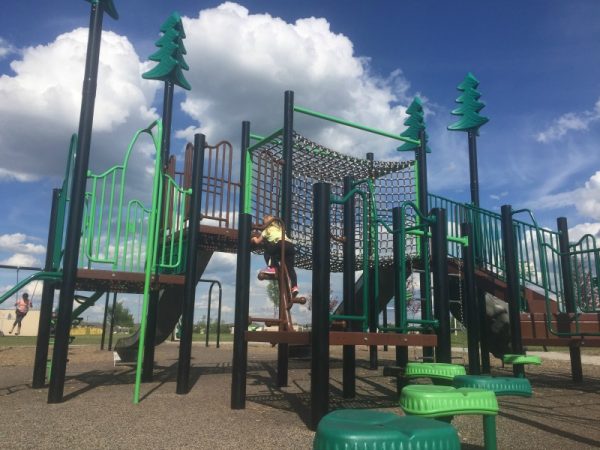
346, 214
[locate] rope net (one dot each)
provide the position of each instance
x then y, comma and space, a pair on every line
391, 184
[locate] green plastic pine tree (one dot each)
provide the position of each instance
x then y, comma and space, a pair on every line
470, 106
415, 123
108, 7
169, 55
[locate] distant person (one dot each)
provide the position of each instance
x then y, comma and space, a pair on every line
22, 308
270, 238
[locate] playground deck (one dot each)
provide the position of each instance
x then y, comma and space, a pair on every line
98, 412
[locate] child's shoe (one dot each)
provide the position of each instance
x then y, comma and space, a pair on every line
295, 291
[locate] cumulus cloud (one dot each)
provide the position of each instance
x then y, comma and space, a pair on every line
40, 104
6, 48
242, 76
580, 230
21, 260
17, 242
585, 199
569, 122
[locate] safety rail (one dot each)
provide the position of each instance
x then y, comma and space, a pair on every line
49, 276
585, 267
531, 241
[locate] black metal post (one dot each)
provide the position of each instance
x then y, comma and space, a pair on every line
399, 284
218, 314
473, 171
208, 318
567, 276
286, 211
439, 245
319, 375
167, 120
242, 299
373, 302
486, 366
512, 285
349, 351
189, 288
150, 341
104, 319
43, 338
112, 321
423, 202
470, 309
242, 288
67, 291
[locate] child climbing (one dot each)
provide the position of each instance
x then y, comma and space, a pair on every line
272, 238
22, 308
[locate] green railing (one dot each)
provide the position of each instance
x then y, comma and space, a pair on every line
531, 239
42, 276
404, 323
116, 230
585, 267
538, 252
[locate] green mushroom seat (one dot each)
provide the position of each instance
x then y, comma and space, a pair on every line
500, 385
437, 372
377, 430
447, 401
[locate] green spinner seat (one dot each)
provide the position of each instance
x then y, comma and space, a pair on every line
439, 373
377, 430
447, 401
522, 360
500, 385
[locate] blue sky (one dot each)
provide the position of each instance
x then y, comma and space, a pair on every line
536, 62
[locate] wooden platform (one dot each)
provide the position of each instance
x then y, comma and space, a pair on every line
344, 338
115, 281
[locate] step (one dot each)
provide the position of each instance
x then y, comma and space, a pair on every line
378, 430
502, 386
439, 401
427, 400
434, 371
522, 359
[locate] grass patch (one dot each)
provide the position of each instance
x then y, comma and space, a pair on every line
25, 341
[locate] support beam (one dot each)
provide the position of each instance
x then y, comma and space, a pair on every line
319, 375
189, 289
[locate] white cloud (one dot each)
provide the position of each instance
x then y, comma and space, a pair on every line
21, 260
40, 104
6, 48
585, 199
569, 122
242, 76
580, 230
17, 243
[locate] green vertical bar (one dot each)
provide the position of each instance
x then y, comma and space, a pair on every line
150, 262
417, 218
248, 187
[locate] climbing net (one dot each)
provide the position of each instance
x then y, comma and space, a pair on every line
387, 185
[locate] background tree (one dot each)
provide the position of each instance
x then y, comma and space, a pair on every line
123, 317
273, 295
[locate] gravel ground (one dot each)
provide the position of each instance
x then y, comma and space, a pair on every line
98, 412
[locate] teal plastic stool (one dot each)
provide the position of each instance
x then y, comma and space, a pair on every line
377, 430
500, 385
439, 373
446, 402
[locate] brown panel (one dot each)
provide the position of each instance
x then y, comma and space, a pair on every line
279, 337
402, 340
